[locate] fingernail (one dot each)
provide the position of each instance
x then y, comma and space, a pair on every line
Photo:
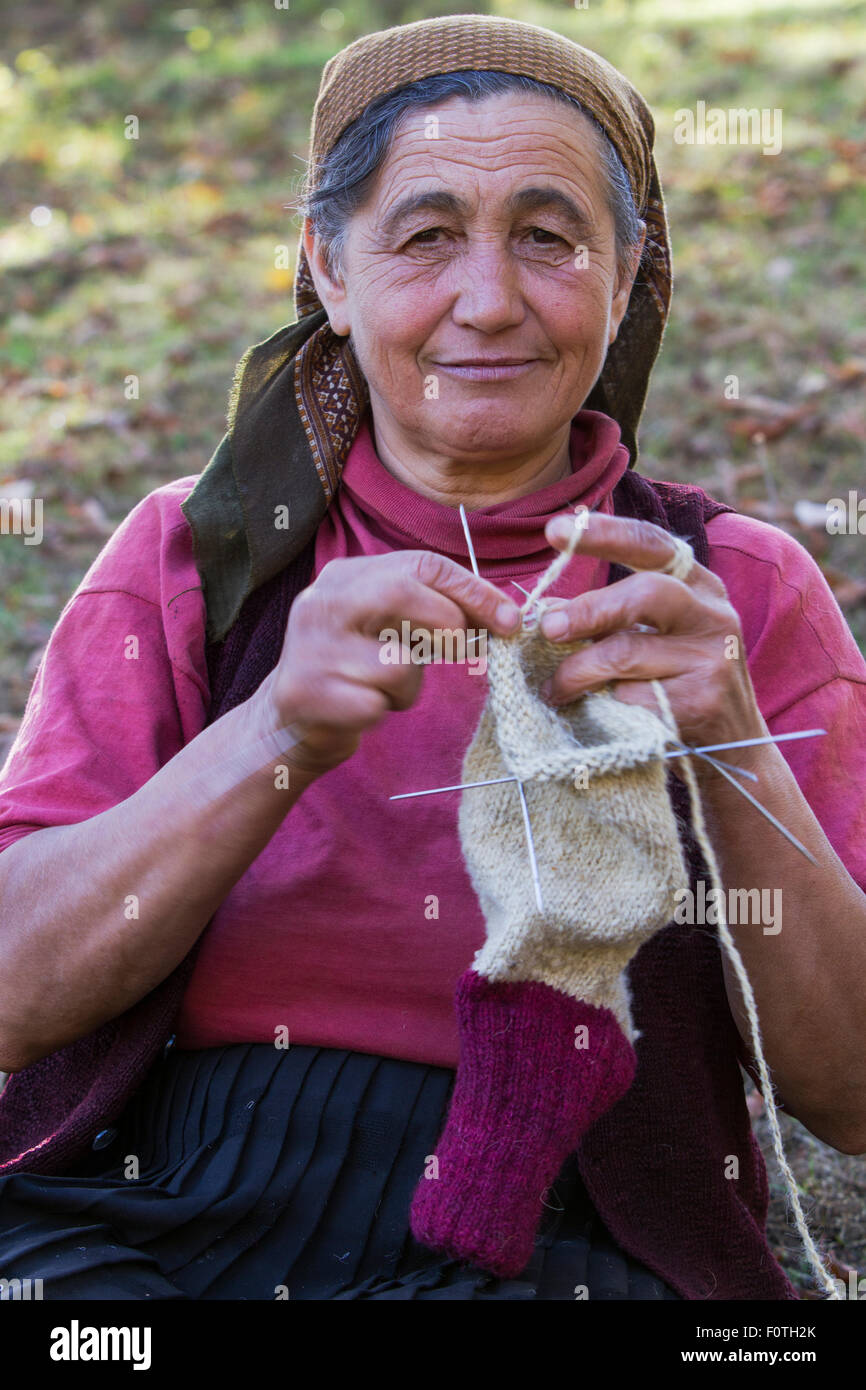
508, 615
554, 624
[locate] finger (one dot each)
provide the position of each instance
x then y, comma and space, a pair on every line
639, 545
418, 608
479, 599
385, 608
652, 599
399, 680
356, 680
626, 656
370, 604
420, 585
636, 693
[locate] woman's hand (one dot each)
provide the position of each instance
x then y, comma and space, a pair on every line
330, 683
695, 648
812, 969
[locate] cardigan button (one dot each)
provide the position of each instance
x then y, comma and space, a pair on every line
169, 1045
104, 1138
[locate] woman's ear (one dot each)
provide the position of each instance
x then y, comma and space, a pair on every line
329, 285
624, 282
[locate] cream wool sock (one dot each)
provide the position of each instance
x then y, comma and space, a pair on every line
605, 834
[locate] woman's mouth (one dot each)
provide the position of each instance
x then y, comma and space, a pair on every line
486, 368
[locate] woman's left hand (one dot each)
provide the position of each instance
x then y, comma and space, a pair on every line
696, 648
812, 968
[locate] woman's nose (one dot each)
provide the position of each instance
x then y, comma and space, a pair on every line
488, 294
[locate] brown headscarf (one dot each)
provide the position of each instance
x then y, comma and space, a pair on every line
298, 399
380, 63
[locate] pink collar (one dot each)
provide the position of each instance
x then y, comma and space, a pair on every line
502, 532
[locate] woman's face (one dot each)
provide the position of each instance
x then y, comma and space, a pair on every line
469, 251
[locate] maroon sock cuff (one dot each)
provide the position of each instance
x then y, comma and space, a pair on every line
537, 1068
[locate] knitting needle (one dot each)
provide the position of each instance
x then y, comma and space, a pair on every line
677, 753
459, 787
470, 547
753, 742
495, 781
764, 812
530, 843
732, 767
529, 613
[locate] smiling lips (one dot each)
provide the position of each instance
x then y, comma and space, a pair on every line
487, 368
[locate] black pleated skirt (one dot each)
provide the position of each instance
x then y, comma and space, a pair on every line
249, 1172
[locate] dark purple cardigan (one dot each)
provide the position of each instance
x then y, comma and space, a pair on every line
654, 1165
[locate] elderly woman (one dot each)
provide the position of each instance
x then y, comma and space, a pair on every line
230, 958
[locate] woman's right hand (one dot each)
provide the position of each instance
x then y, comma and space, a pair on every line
180, 843
330, 683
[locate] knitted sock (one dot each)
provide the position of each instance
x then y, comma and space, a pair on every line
545, 1023
523, 1097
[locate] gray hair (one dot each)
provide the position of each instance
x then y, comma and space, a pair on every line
346, 175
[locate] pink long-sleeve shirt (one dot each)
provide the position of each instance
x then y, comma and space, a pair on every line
353, 925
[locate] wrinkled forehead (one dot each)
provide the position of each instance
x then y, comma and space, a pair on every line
499, 149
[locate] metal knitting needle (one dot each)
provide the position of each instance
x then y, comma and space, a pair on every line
458, 787
495, 781
732, 767
677, 753
530, 619
530, 843
753, 742
531, 847
720, 767
792, 839
469, 546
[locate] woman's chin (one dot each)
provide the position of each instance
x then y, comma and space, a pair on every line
491, 432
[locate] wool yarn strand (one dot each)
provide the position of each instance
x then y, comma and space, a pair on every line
733, 954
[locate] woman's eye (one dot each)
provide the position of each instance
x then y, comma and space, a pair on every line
429, 235
427, 232
542, 231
